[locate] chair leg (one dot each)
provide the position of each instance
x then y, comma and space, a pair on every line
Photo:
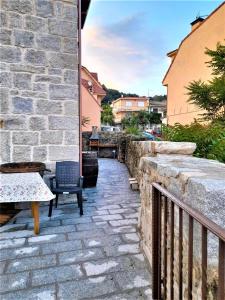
50, 208
56, 200
80, 202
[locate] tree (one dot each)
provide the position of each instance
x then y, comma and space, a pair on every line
141, 119
112, 94
107, 115
130, 120
155, 118
210, 96
158, 98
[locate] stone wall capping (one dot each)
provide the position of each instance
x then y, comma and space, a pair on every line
173, 147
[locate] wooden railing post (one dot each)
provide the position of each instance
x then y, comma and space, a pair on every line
156, 245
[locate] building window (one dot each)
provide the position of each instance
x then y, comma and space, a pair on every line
128, 103
141, 104
155, 110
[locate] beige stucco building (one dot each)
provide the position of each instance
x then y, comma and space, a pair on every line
188, 63
128, 105
92, 94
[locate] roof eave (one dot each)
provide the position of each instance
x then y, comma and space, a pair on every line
85, 4
212, 13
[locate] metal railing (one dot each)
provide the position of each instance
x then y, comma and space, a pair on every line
163, 237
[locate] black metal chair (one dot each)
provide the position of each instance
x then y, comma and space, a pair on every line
67, 180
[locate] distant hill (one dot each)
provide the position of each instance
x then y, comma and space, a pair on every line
112, 94
158, 98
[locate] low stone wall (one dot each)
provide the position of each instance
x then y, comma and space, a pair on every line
120, 139
138, 149
198, 182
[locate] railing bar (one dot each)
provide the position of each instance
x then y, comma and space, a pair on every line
190, 257
204, 263
165, 249
210, 225
156, 283
221, 292
180, 253
172, 252
160, 242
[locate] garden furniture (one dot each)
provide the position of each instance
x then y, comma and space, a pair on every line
25, 187
67, 180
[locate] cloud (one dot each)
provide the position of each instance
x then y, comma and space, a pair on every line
127, 54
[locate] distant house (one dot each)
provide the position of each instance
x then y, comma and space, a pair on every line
92, 94
158, 107
188, 63
128, 105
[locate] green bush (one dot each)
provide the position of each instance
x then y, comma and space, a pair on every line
134, 130
210, 139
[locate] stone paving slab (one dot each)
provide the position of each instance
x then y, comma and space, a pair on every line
13, 243
61, 247
26, 264
122, 249
87, 288
103, 266
12, 227
96, 256
57, 274
2, 266
13, 282
123, 222
42, 293
6, 254
86, 233
133, 279
103, 240
79, 256
136, 294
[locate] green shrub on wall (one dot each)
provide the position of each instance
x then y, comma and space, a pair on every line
210, 139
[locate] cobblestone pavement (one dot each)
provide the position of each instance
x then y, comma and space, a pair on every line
96, 256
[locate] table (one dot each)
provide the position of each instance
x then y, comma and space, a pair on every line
25, 187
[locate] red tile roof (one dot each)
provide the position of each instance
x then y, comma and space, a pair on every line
96, 85
95, 75
97, 89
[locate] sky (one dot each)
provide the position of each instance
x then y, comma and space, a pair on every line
126, 41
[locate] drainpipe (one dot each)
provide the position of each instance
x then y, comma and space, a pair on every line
79, 83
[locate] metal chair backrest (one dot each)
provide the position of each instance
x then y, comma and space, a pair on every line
67, 173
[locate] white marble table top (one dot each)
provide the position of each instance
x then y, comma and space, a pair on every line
23, 187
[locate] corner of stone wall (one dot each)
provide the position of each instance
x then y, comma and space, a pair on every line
198, 182
39, 80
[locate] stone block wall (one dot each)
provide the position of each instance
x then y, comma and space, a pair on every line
198, 182
121, 139
138, 149
105, 137
39, 80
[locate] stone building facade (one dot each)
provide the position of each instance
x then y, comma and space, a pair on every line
39, 80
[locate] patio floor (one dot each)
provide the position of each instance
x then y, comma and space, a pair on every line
96, 256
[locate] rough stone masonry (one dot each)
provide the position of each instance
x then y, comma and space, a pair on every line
198, 182
39, 80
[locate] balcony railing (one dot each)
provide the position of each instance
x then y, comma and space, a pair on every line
163, 238
129, 109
